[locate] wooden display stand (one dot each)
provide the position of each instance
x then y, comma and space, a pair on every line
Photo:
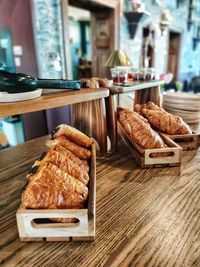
30, 224
144, 92
92, 98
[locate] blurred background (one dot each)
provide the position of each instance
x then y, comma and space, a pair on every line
73, 39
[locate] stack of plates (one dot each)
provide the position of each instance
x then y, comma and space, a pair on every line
185, 105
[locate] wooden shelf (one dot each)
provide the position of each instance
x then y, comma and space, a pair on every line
52, 100
118, 89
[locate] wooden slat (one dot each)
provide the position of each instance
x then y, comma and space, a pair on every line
146, 217
52, 101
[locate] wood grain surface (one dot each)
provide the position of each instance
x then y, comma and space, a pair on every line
52, 100
90, 118
145, 217
136, 85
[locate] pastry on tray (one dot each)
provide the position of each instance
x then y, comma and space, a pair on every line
52, 188
149, 105
65, 152
62, 162
162, 120
139, 131
58, 179
73, 135
78, 151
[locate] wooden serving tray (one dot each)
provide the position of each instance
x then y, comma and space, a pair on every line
33, 225
186, 141
144, 157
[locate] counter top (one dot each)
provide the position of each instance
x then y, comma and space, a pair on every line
134, 86
146, 217
52, 100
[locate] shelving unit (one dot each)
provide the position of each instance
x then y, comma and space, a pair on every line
92, 113
52, 100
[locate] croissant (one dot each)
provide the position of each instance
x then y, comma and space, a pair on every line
78, 151
73, 135
166, 122
65, 152
63, 163
52, 188
149, 105
139, 131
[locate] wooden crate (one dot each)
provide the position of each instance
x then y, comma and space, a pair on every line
144, 157
186, 141
34, 224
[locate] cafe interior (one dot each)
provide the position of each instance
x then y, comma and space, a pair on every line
99, 132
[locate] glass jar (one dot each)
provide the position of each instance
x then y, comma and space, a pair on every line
150, 74
135, 74
130, 74
119, 75
142, 74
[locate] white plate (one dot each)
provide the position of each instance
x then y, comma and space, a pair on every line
5, 97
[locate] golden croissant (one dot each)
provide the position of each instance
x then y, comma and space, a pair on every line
162, 120
65, 152
138, 130
73, 135
64, 164
149, 105
77, 150
52, 188
166, 122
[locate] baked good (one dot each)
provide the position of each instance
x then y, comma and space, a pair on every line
162, 120
139, 131
64, 220
73, 135
65, 152
64, 164
149, 105
166, 122
89, 83
52, 188
77, 150
103, 82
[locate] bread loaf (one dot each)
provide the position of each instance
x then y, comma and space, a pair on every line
139, 131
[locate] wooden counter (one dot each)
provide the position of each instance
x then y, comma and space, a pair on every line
52, 100
89, 114
144, 217
134, 86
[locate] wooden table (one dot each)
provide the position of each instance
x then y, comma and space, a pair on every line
145, 91
144, 217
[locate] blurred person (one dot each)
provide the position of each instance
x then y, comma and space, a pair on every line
195, 84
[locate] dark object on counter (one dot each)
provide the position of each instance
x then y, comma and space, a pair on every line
20, 83
195, 84
171, 85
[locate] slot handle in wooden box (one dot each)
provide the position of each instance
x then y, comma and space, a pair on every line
186, 141
26, 226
